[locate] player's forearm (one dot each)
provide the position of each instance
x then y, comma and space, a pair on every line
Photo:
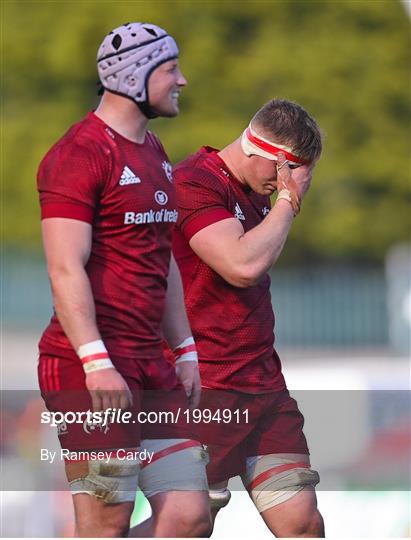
260, 247
175, 325
74, 304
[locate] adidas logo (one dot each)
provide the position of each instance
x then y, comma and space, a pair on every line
128, 177
238, 213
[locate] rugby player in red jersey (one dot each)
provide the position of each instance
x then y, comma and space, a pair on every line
226, 240
108, 208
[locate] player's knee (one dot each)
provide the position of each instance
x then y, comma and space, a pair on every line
115, 530
315, 528
113, 527
203, 525
194, 524
309, 526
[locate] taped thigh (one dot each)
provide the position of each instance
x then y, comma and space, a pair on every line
173, 465
114, 481
275, 478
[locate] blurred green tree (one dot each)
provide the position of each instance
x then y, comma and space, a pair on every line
346, 62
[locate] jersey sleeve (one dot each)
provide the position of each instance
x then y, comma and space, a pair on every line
201, 199
70, 180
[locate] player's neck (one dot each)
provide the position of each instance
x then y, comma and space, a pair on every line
123, 116
232, 156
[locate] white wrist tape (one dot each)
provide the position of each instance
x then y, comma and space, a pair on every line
284, 194
186, 351
94, 356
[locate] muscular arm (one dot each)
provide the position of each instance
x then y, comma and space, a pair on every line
243, 258
67, 244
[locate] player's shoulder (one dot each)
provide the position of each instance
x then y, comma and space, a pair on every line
91, 134
197, 161
199, 167
83, 140
84, 149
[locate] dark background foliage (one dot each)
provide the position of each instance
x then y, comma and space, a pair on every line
347, 62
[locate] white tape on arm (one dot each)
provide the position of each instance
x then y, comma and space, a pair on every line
285, 195
94, 356
186, 351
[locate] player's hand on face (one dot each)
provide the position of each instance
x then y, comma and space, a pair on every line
108, 389
300, 177
297, 181
189, 376
286, 181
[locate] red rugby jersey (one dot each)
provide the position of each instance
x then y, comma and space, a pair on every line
233, 327
125, 191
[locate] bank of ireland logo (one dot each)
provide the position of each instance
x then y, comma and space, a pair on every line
168, 169
161, 197
91, 426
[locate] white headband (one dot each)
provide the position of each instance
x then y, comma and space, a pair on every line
253, 144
